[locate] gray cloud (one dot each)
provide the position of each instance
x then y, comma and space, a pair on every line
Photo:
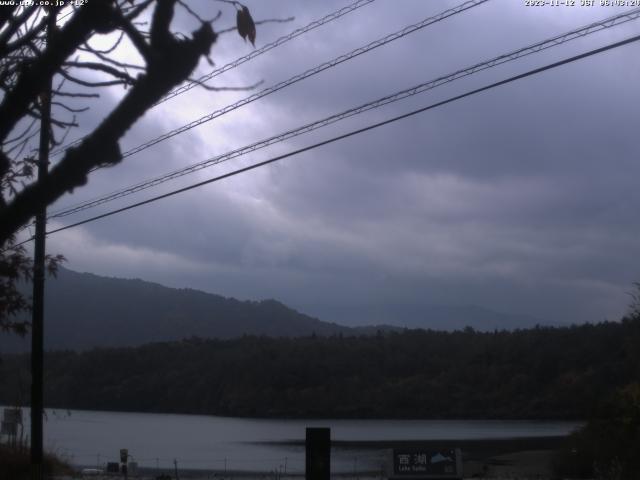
521, 199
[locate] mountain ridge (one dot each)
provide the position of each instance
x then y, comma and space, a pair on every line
110, 311
85, 310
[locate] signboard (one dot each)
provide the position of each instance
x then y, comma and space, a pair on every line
414, 463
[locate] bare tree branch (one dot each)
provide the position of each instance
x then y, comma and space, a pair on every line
6, 13
138, 9
31, 56
87, 83
21, 135
96, 66
170, 64
68, 108
136, 38
14, 24
31, 82
109, 50
106, 59
195, 15
7, 48
60, 93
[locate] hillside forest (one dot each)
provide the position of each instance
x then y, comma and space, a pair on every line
538, 373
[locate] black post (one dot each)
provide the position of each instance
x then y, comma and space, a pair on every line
37, 324
318, 454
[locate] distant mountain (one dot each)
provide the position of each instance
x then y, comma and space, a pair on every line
398, 316
85, 310
457, 317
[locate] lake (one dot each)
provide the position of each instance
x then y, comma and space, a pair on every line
206, 442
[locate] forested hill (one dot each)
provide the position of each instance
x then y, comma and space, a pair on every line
85, 310
538, 373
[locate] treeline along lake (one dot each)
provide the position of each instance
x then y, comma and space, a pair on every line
540, 373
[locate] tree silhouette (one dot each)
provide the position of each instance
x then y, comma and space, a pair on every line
31, 56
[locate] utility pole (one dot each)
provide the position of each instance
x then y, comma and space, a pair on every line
37, 330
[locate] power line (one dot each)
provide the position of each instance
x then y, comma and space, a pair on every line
282, 40
507, 57
308, 73
270, 46
353, 132
332, 63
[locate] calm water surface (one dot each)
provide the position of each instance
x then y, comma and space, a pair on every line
207, 442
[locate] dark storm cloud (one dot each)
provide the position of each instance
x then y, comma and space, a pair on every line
520, 199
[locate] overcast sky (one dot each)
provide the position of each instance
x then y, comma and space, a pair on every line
522, 199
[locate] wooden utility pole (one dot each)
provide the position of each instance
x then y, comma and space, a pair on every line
37, 319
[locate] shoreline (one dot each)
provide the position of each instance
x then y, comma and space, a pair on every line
485, 445
472, 450
477, 450
522, 457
